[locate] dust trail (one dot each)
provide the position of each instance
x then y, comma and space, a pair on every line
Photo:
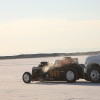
45, 69
52, 66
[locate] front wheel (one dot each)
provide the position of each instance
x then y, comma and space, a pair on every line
94, 75
71, 75
26, 77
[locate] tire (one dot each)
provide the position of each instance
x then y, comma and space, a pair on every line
71, 75
26, 77
94, 75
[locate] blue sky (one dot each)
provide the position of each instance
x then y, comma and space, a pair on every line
46, 26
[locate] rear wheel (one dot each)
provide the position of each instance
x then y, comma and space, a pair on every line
26, 77
71, 75
94, 75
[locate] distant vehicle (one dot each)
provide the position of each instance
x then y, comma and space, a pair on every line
66, 69
92, 68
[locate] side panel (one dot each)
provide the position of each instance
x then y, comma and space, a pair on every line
57, 74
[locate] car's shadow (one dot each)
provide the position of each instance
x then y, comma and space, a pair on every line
84, 83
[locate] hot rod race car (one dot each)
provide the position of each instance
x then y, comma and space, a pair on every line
66, 69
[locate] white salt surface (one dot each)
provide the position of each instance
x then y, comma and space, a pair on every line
13, 88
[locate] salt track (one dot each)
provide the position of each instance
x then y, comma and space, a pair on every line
13, 88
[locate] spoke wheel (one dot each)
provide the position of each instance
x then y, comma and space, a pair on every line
27, 77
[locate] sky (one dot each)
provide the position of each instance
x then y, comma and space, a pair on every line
49, 26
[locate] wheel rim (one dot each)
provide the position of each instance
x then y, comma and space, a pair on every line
94, 75
70, 75
26, 77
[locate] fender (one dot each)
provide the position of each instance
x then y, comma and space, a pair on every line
79, 68
90, 62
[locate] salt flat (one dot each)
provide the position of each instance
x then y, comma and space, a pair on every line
13, 88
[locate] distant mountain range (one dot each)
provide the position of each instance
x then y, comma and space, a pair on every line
48, 55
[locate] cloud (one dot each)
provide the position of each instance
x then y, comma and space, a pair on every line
48, 26
30, 34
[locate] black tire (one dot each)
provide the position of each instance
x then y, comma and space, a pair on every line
71, 75
94, 75
26, 77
